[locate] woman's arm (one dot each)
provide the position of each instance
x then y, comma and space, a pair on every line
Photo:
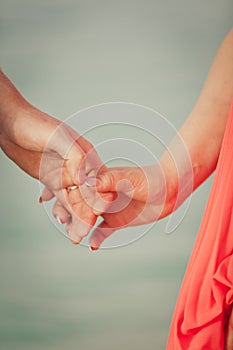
203, 130
202, 135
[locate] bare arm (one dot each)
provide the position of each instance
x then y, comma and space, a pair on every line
153, 198
27, 133
203, 130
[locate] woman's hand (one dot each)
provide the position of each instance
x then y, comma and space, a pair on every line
141, 196
127, 196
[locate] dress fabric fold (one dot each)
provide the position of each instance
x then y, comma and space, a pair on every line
206, 294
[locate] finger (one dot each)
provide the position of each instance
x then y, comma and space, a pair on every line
76, 164
93, 160
78, 229
93, 163
82, 159
101, 232
69, 233
60, 213
83, 218
64, 144
76, 213
115, 201
78, 152
75, 239
103, 202
46, 195
138, 183
80, 140
99, 202
115, 179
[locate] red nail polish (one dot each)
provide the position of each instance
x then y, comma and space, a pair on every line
93, 248
40, 200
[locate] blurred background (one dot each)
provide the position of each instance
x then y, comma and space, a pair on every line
64, 56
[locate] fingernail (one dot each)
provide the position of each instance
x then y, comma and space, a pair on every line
74, 242
59, 220
92, 182
93, 248
40, 200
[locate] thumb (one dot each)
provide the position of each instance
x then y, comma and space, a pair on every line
113, 180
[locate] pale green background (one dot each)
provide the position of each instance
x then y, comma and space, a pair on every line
63, 56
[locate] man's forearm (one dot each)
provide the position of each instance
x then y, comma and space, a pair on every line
21, 122
10, 101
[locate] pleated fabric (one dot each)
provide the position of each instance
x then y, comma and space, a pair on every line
206, 294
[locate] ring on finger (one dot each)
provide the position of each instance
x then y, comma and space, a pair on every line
71, 188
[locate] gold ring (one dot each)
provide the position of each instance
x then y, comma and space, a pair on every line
71, 188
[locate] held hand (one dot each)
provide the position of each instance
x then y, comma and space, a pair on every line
82, 216
78, 213
48, 165
53, 171
139, 198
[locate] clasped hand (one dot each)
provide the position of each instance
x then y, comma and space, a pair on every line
123, 196
55, 154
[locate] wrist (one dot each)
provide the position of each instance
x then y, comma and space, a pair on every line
170, 180
27, 127
179, 180
33, 128
161, 187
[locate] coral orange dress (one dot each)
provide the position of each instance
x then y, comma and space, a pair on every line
202, 308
